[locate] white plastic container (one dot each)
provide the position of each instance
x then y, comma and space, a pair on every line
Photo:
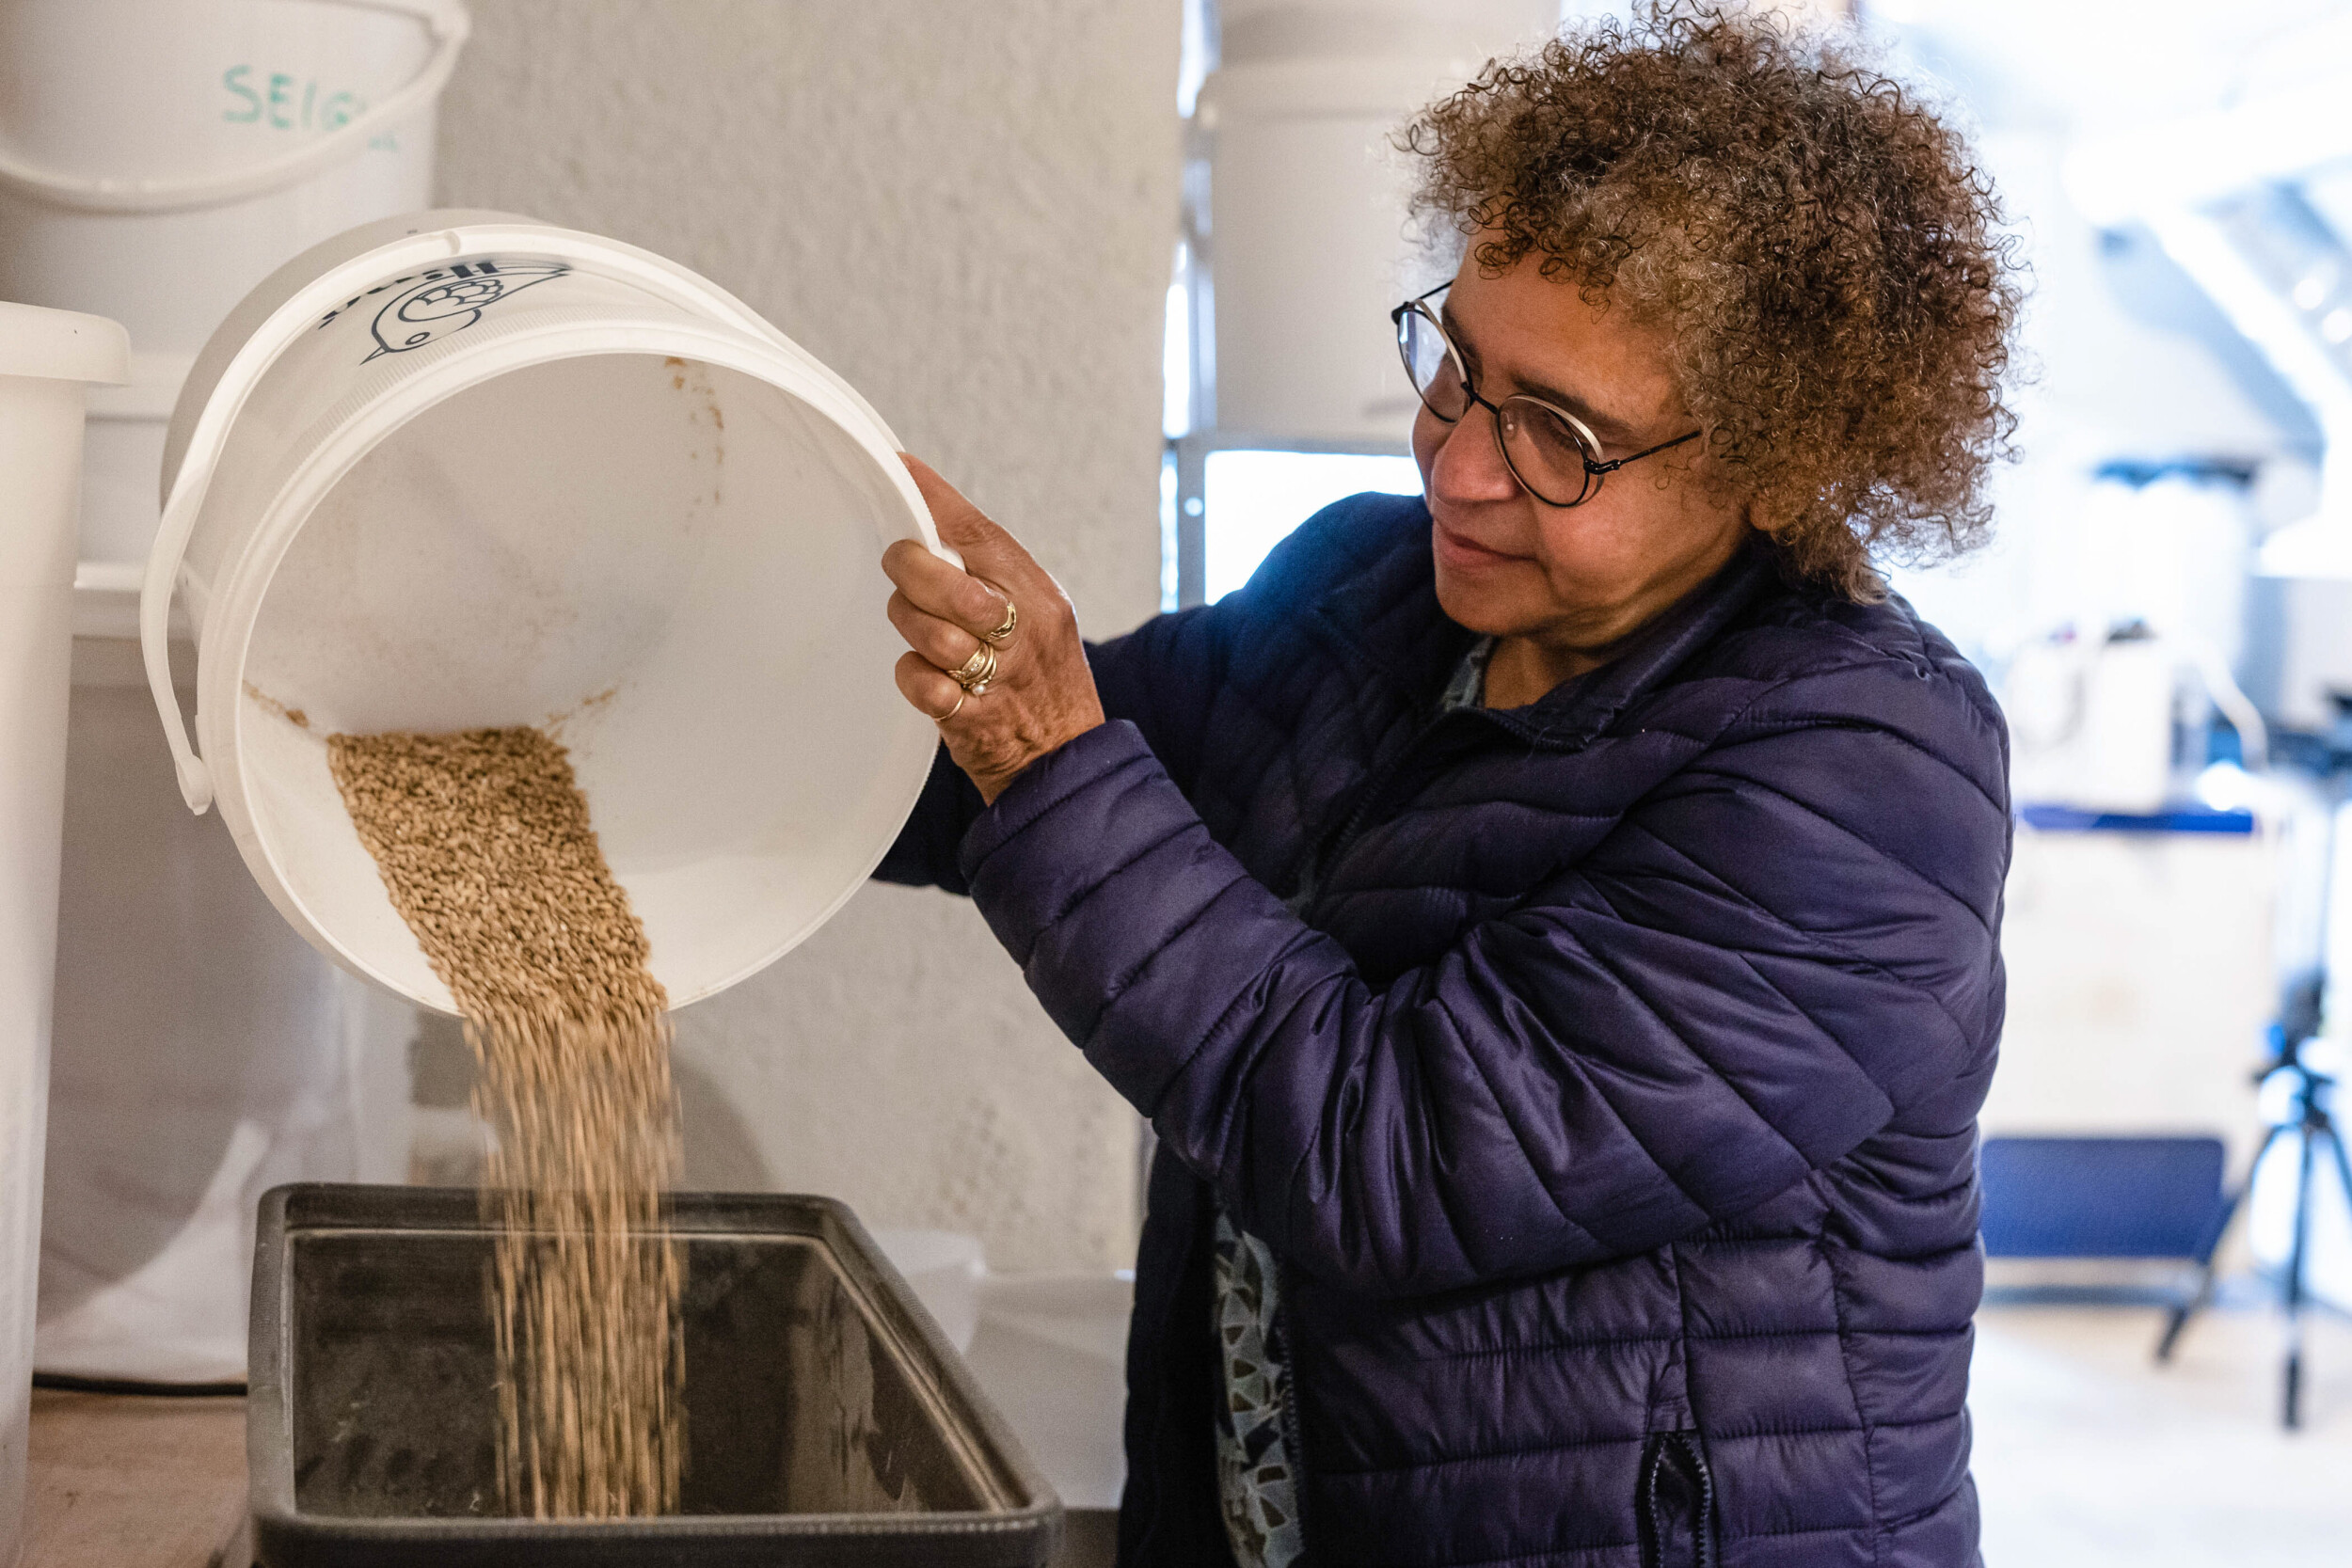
945, 1269
47, 357
224, 134
200, 1053
1307, 201
469, 470
158, 158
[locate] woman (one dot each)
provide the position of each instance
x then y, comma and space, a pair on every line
1552, 925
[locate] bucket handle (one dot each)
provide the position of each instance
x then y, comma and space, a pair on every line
155, 596
449, 25
189, 486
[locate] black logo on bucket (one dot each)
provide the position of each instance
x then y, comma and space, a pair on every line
433, 304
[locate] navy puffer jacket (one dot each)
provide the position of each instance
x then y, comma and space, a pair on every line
1612, 1107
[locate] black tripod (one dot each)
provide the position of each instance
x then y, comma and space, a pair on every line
2307, 1117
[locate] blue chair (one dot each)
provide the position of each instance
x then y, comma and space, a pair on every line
2103, 1197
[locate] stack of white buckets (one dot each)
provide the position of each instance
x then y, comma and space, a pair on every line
441, 470
158, 158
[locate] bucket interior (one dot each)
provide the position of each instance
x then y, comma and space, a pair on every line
795, 1403
674, 567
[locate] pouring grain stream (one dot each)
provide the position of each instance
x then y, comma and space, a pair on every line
484, 843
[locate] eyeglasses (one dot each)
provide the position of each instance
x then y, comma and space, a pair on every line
1554, 454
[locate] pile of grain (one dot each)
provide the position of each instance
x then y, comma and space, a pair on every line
484, 841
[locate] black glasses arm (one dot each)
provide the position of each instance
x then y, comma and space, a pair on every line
1598, 468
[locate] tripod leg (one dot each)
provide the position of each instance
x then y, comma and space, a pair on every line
2178, 1318
2202, 1296
2321, 1128
2344, 1163
2292, 1390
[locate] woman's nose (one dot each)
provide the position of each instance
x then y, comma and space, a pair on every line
1468, 466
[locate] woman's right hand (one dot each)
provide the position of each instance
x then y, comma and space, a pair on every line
1041, 695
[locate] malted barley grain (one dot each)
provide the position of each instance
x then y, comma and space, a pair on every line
484, 841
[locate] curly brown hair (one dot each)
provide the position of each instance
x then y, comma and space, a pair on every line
1822, 253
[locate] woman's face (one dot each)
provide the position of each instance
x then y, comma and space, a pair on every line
1573, 580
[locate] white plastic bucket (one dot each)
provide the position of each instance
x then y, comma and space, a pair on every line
1307, 201
223, 135
464, 469
945, 1269
47, 357
158, 158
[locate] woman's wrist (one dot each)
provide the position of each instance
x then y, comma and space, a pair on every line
992, 777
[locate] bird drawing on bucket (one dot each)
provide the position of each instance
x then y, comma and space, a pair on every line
451, 299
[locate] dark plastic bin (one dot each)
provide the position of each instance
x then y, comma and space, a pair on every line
828, 1420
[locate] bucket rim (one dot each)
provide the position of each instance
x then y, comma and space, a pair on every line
366, 252
248, 345
233, 612
37, 343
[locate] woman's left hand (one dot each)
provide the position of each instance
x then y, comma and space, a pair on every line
1041, 695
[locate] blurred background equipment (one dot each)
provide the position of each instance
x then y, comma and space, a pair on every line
2297, 1098
2164, 610
157, 159
48, 358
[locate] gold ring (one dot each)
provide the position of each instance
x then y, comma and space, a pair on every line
962, 697
975, 673
1012, 619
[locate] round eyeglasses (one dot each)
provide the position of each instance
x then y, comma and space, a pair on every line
1554, 454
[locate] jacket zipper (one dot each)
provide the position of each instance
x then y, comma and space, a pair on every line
1702, 1477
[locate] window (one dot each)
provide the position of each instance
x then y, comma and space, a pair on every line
1251, 501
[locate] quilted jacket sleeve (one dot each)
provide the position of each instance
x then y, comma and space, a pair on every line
1771, 957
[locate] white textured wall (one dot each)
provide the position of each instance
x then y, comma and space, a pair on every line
968, 209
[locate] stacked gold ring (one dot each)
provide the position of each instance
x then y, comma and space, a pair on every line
975, 673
